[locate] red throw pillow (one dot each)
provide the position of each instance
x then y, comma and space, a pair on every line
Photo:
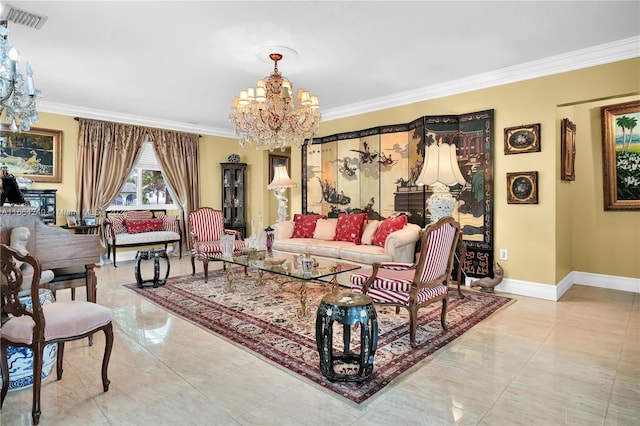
390, 224
350, 227
305, 224
136, 226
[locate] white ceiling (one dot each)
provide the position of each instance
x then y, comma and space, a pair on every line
179, 64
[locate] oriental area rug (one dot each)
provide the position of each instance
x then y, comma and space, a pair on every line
262, 320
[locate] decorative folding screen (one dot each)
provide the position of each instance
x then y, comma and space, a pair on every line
375, 170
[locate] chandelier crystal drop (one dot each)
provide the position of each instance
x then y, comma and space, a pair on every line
17, 94
268, 116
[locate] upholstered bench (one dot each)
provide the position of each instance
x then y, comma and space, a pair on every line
137, 228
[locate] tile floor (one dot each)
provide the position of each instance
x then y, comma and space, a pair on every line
572, 362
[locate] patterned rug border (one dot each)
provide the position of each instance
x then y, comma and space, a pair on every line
384, 376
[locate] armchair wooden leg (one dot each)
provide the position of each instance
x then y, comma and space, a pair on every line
413, 323
443, 315
38, 350
59, 358
193, 265
108, 333
205, 265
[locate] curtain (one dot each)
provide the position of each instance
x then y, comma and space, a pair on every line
108, 151
106, 154
178, 156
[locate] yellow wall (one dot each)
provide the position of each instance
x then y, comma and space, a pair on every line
567, 231
599, 239
66, 196
545, 241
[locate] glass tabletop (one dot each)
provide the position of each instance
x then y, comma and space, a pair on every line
290, 265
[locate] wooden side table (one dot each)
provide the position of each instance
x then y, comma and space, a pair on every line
82, 229
346, 308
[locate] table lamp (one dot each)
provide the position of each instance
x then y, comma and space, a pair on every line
281, 181
440, 170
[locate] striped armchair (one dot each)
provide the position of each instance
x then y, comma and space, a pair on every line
413, 286
206, 226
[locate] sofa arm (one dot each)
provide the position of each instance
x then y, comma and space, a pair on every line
401, 245
283, 230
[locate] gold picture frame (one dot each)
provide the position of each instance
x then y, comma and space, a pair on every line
620, 155
35, 154
277, 160
522, 139
522, 188
567, 150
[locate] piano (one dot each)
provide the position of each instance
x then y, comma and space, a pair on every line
70, 257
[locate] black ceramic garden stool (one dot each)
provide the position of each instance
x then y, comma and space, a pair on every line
155, 255
346, 308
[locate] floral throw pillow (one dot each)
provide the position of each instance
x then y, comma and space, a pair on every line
305, 225
389, 225
350, 227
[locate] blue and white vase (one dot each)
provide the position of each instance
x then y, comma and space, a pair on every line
21, 358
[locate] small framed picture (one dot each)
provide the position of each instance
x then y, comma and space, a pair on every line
72, 219
89, 221
275, 161
521, 139
568, 150
522, 188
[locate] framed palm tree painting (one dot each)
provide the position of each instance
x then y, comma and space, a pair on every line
621, 156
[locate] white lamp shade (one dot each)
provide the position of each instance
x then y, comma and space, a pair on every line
281, 179
440, 166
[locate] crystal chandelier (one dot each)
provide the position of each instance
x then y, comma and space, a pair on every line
17, 95
268, 116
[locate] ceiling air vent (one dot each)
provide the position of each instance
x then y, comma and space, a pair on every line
22, 17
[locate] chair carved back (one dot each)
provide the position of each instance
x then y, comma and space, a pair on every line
207, 224
12, 280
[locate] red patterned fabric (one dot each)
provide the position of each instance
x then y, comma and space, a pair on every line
350, 227
117, 226
439, 244
389, 225
387, 279
387, 296
136, 226
169, 223
206, 224
138, 214
213, 249
305, 224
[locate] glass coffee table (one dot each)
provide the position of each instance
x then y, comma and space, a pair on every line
283, 269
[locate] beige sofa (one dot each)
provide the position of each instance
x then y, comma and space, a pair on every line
398, 247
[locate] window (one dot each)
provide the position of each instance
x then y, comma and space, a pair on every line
145, 186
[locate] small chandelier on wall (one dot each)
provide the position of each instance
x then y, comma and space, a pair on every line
17, 94
268, 116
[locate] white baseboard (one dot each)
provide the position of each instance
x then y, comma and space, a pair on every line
555, 292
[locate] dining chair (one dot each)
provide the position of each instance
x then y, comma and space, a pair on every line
56, 322
413, 286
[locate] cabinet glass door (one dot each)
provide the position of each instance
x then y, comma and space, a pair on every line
239, 198
228, 196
